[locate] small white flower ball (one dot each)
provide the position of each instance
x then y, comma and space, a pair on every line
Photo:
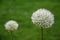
11, 25
43, 18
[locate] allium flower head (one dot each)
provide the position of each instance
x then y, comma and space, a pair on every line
11, 25
43, 18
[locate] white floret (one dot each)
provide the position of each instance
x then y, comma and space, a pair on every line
43, 18
11, 25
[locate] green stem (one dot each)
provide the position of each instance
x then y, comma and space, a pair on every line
41, 33
11, 35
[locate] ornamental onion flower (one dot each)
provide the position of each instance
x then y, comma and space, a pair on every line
43, 18
11, 25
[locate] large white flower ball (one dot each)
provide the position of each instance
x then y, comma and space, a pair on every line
11, 25
43, 18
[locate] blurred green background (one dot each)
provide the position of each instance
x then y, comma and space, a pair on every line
21, 11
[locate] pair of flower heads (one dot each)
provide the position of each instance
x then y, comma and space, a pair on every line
42, 18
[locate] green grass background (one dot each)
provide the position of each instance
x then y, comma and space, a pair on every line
21, 11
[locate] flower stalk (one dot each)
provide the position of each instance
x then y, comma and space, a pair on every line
42, 33
11, 35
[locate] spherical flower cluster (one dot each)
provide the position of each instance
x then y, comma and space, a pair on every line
43, 18
11, 25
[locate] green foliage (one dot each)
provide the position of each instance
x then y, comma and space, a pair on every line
21, 11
